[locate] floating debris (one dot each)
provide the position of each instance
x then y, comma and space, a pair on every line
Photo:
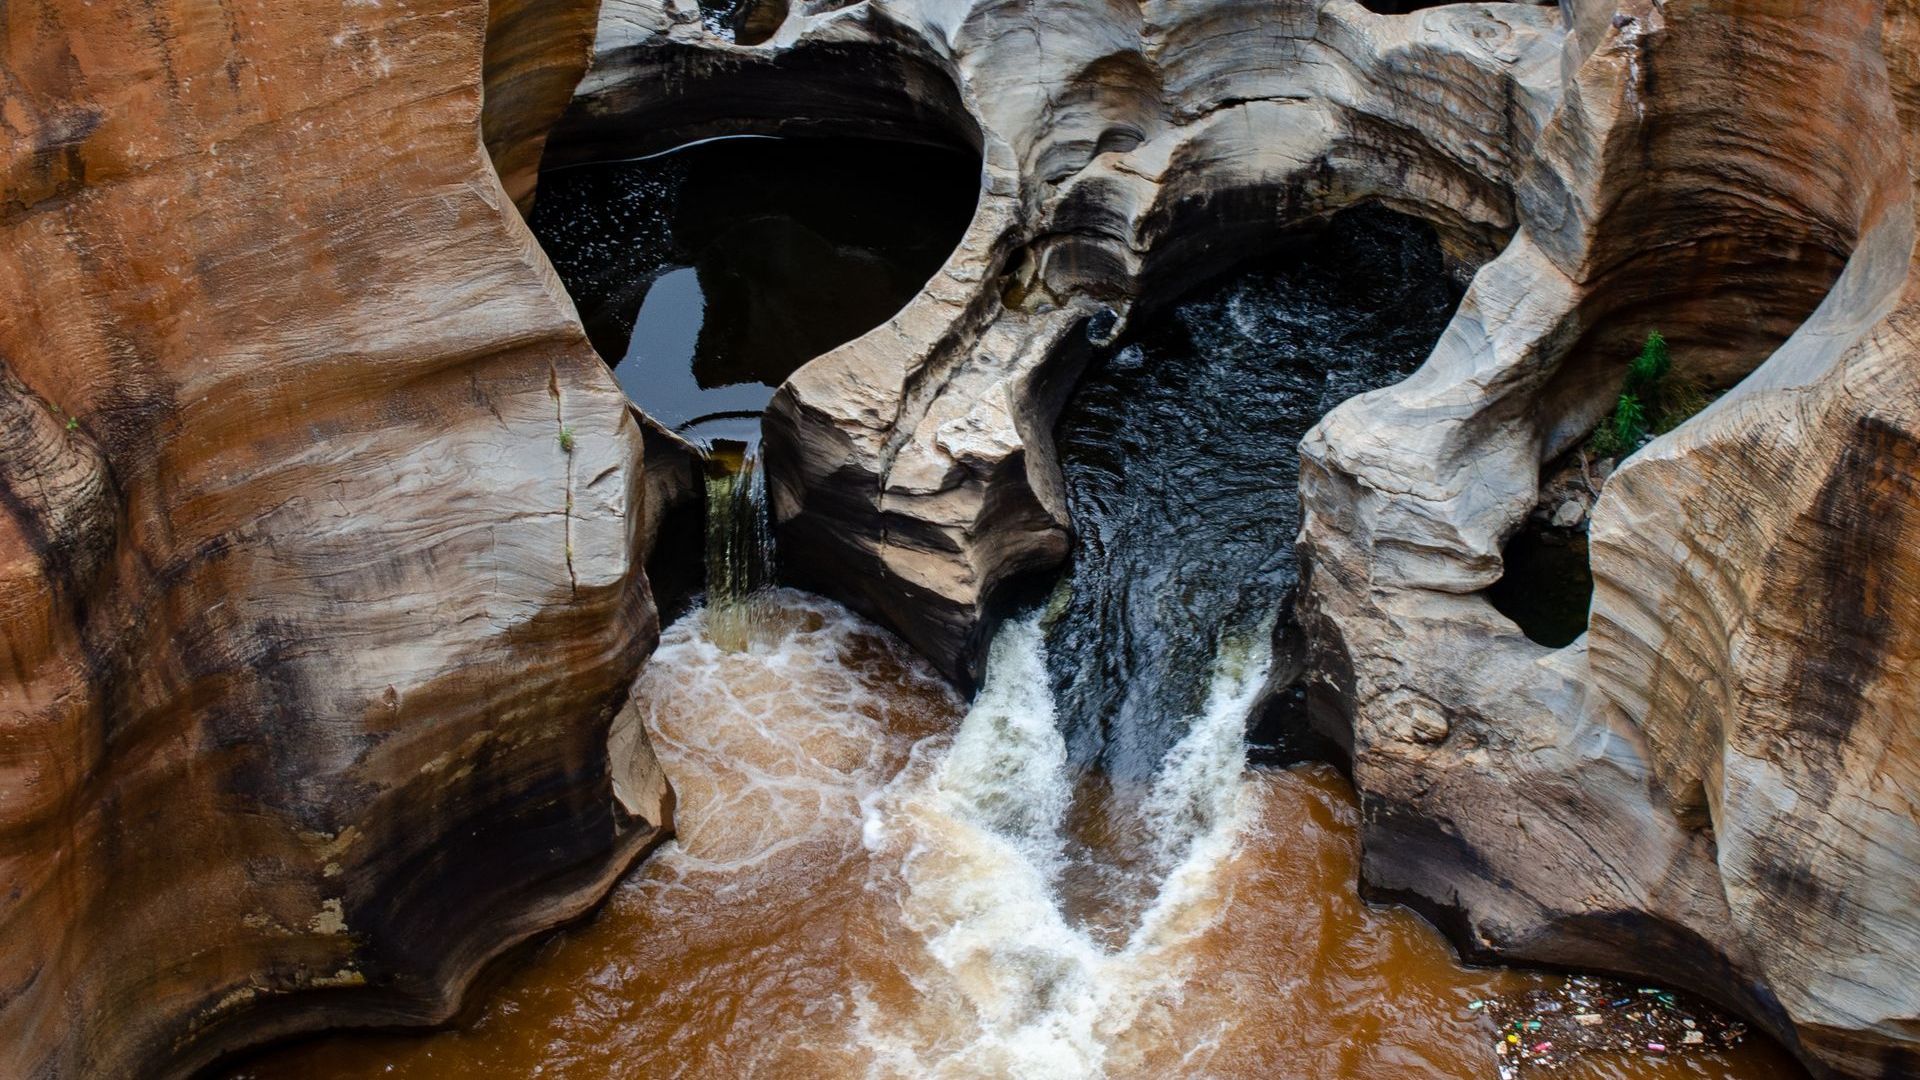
1586, 1016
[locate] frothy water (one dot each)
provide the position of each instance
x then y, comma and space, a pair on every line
979, 829
1180, 451
863, 885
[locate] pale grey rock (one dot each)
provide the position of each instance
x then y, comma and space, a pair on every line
1658, 797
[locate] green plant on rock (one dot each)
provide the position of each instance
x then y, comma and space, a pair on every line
1652, 365
1652, 402
1622, 431
566, 440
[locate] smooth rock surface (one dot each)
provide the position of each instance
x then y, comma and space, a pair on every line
1734, 740
1565, 820
537, 51
313, 633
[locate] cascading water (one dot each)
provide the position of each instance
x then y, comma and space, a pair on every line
1063, 850
979, 829
739, 544
707, 274
1180, 455
1080, 876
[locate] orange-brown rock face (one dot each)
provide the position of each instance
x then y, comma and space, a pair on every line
312, 629
536, 52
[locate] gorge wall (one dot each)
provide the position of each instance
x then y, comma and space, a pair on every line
317, 633
1712, 786
313, 631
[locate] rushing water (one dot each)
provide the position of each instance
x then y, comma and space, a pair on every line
841, 893
1078, 875
1182, 470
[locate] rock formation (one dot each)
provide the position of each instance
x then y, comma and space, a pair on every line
536, 52
1713, 787
314, 632
1707, 788
317, 632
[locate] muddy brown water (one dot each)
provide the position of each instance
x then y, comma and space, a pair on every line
828, 910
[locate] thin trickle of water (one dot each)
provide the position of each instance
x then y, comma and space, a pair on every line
739, 541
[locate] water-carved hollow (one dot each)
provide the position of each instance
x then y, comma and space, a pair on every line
892, 877
1547, 585
707, 274
1179, 452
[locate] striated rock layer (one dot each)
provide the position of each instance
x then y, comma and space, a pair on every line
313, 631
1714, 786
1682, 793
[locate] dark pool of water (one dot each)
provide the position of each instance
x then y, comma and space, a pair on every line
707, 275
1547, 585
1180, 450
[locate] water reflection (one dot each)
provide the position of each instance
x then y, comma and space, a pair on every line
708, 274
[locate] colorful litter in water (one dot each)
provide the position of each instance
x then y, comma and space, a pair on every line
1587, 1016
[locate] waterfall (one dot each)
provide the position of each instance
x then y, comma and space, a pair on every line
1063, 852
739, 543
981, 829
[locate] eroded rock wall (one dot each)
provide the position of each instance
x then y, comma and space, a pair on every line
537, 51
1755, 617
1733, 742
1713, 168
313, 632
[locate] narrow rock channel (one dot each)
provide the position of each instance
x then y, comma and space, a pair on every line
1078, 874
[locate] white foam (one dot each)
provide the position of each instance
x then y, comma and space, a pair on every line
1015, 989
772, 747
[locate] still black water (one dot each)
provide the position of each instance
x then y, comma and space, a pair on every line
706, 275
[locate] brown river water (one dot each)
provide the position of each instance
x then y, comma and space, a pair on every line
863, 884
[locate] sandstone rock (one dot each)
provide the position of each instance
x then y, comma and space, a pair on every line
1734, 737
536, 52
1570, 824
313, 632
1755, 616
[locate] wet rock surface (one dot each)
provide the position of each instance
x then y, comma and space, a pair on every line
1645, 799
